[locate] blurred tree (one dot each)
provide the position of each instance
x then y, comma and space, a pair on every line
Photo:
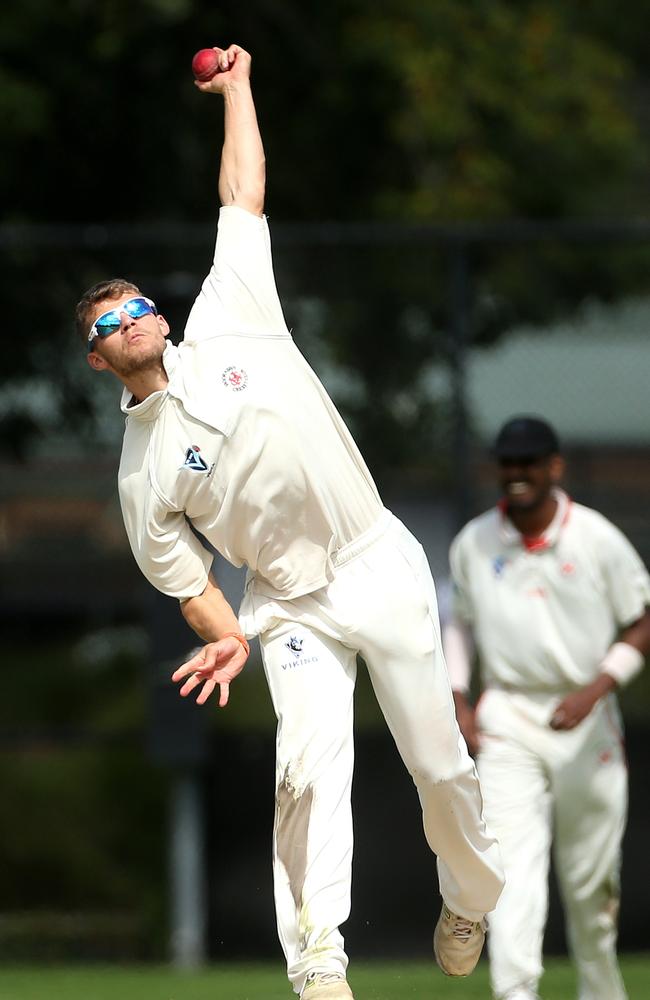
503, 109
430, 111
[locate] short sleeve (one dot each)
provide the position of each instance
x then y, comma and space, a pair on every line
626, 577
168, 552
239, 295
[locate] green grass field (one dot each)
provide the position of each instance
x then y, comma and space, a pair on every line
370, 981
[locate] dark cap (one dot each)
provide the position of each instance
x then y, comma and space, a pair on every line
526, 437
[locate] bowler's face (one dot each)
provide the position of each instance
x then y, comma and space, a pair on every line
138, 344
527, 482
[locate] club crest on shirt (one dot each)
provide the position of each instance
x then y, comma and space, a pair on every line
295, 645
234, 378
195, 462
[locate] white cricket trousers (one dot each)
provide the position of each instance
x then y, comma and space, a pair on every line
569, 788
382, 605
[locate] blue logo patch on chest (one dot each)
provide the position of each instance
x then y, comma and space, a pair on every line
499, 563
194, 460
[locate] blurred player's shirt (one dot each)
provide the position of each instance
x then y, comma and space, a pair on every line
543, 616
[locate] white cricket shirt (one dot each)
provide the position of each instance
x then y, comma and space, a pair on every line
244, 442
543, 615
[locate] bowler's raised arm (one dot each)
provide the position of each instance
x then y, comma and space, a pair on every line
242, 175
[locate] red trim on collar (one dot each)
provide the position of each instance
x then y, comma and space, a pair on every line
535, 543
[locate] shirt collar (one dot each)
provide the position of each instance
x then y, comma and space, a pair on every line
511, 536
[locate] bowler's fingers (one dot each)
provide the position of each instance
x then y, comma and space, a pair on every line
190, 684
208, 688
198, 662
209, 684
224, 693
227, 57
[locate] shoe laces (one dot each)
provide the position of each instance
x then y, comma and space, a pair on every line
462, 928
322, 978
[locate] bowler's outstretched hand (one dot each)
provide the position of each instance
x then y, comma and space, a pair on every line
216, 663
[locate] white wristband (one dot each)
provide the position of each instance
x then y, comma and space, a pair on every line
622, 662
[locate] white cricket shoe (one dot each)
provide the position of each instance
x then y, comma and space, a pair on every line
457, 943
326, 986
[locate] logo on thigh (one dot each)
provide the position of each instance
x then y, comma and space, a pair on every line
295, 644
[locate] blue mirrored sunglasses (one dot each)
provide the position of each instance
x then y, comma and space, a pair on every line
111, 321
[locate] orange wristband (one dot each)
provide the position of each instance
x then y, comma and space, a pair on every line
240, 638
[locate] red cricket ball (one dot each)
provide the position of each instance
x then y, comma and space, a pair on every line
205, 64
